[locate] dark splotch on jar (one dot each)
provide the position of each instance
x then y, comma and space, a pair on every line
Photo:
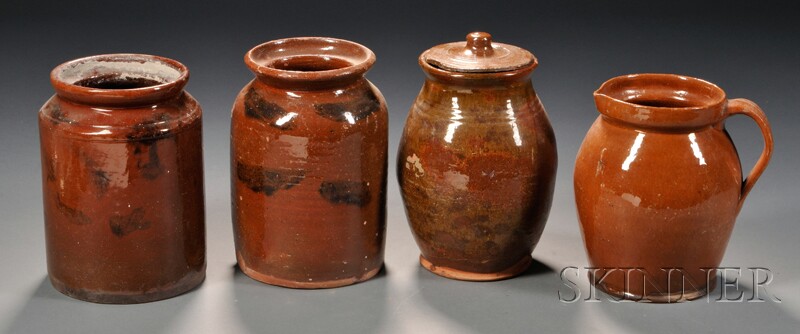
308, 160
122, 175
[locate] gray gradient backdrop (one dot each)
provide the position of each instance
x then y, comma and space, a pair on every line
751, 49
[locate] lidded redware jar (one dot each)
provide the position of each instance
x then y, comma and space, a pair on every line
477, 160
122, 176
308, 162
658, 185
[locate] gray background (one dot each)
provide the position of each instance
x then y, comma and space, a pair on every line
751, 49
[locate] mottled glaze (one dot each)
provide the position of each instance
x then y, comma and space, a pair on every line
658, 185
122, 174
476, 167
308, 161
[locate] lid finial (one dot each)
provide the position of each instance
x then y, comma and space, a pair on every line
480, 43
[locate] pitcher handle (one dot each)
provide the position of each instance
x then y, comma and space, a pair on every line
750, 109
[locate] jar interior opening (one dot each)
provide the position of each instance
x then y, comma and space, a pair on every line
111, 81
309, 63
119, 72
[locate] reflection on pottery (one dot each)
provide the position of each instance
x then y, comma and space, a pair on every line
658, 185
477, 160
308, 163
122, 172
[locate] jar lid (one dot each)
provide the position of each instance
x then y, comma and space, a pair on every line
478, 55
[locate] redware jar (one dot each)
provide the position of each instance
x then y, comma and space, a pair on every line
477, 161
122, 176
308, 163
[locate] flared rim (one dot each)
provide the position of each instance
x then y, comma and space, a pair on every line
303, 62
164, 78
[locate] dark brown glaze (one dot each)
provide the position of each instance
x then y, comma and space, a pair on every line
476, 167
268, 180
658, 185
346, 192
255, 107
308, 156
123, 180
352, 110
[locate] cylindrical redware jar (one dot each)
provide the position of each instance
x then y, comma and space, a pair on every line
122, 174
308, 165
477, 161
658, 185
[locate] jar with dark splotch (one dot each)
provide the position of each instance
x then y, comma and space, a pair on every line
122, 177
308, 165
477, 161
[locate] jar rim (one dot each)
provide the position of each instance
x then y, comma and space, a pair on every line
308, 62
119, 79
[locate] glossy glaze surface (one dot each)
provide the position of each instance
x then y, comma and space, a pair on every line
122, 175
308, 160
476, 167
658, 185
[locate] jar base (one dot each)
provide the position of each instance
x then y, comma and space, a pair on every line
461, 275
658, 298
186, 284
272, 280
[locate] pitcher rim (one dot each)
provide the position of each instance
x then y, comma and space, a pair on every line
697, 102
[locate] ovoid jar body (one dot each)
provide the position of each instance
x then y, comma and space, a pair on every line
308, 162
658, 185
476, 167
122, 174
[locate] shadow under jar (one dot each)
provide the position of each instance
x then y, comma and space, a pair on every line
477, 161
658, 185
122, 174
308, 163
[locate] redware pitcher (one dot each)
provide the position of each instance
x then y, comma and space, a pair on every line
658, 185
